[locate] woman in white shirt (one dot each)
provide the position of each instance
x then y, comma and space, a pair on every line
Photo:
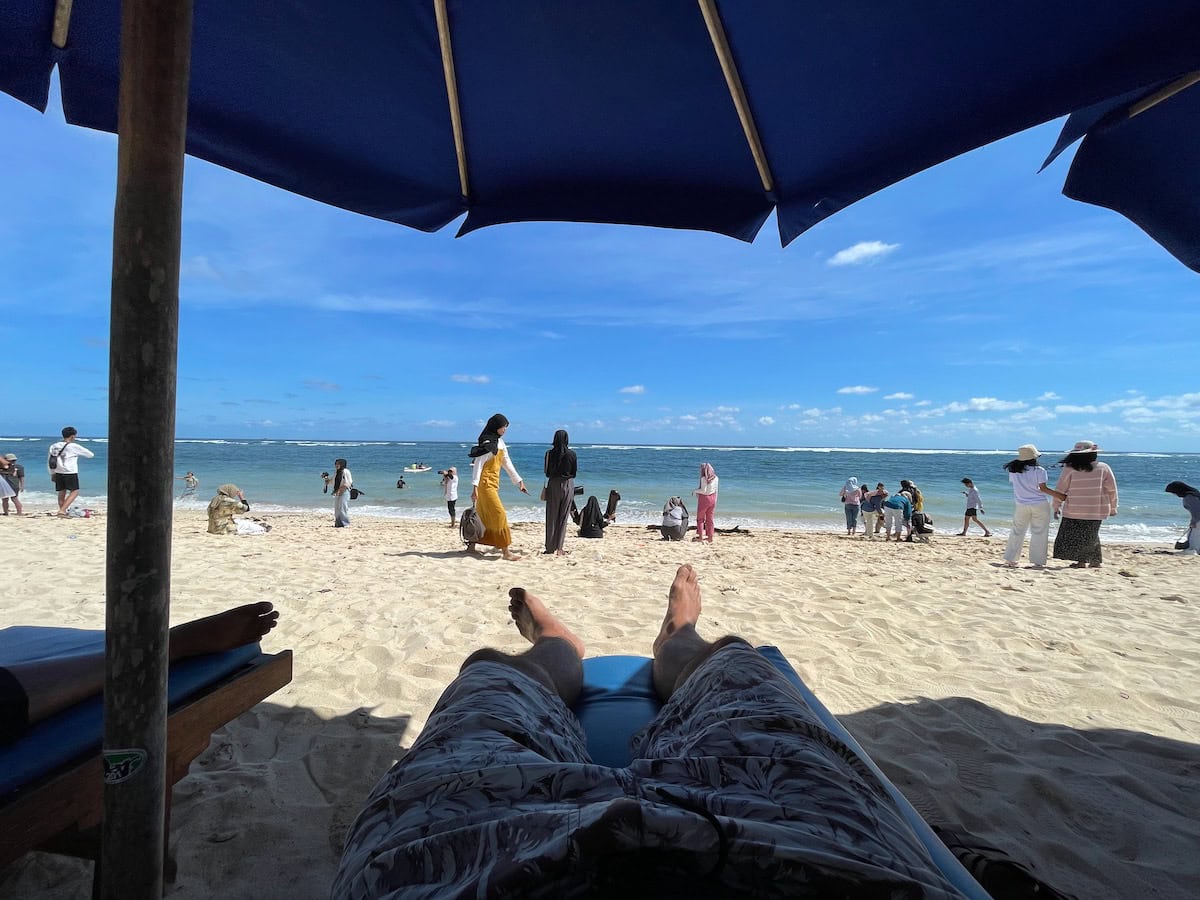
1032, 512
490, 455
706, 503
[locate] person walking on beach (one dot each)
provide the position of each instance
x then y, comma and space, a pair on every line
974, 508
1032, 510
450, 491
1191, 502
13, 476
706, 503
343, 480
190, 483
64, 468
1088, 491
851, 500
560, 466
490, 455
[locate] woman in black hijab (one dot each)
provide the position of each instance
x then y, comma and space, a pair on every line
560, 467
490, 455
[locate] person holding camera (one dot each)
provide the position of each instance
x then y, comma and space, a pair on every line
450, 491
342, 482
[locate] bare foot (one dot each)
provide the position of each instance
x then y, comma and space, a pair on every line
535, 622
683, 604
224, 631
511, 557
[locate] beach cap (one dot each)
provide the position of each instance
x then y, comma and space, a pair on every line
10, 456
1027, 452
1085, 447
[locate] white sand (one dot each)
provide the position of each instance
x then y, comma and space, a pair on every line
1053, 714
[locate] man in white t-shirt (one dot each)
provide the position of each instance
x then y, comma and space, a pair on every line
450, 491
65, 472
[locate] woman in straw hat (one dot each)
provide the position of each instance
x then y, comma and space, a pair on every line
1032, 510
1089, 496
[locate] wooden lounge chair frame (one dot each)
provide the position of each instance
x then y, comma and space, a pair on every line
61, 812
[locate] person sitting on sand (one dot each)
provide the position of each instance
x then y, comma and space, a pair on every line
33, 691
736, 788
228, 500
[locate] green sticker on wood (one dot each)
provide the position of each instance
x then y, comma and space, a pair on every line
121, 765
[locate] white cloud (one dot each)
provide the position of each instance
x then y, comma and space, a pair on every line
766, 421
1067, 410
857, 389
923, 403
472, 379
633, 389
1049, 395
862, 252
899, 395
438, 423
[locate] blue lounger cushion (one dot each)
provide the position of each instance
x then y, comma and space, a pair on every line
79, 730
618, 700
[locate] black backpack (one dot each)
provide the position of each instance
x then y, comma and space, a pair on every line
470, 526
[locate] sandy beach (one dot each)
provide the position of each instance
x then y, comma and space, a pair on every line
1053, 714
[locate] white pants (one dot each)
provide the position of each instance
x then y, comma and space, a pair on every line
893, 520
1034, 518
1193, 541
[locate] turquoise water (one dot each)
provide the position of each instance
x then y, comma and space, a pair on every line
761, 487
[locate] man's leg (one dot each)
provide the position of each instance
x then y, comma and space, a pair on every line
51, 685
679, 649
556, 657
65, 504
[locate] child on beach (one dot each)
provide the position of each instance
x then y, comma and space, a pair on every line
974, 508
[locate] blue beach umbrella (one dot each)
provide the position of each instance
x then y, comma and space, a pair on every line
676, 113
692, 114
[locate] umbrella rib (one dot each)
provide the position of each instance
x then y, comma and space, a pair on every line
716, 32
62, 22
1164, 93
460, 147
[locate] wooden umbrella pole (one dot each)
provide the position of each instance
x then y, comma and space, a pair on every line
152, 119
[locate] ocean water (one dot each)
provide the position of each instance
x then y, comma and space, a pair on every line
761, 487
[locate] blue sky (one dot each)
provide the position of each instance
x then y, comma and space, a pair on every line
971, 306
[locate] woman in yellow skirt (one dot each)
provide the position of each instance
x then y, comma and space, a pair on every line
490, 455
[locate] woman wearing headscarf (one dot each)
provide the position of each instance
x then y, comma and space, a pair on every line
490, 455
560, 467
1032, 511
1089, 491
228, 500
706, 503
851, 499
1191, 502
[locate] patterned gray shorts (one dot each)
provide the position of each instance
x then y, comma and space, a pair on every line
736, 789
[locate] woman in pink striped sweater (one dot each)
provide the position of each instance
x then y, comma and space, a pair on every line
1091, 490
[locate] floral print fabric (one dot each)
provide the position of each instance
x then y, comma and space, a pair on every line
735, 790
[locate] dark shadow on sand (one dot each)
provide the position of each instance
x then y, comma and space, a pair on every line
286, 778
1095, 813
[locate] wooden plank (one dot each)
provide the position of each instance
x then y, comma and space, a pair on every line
61, 812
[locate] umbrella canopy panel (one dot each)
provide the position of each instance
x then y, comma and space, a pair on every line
621, 111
